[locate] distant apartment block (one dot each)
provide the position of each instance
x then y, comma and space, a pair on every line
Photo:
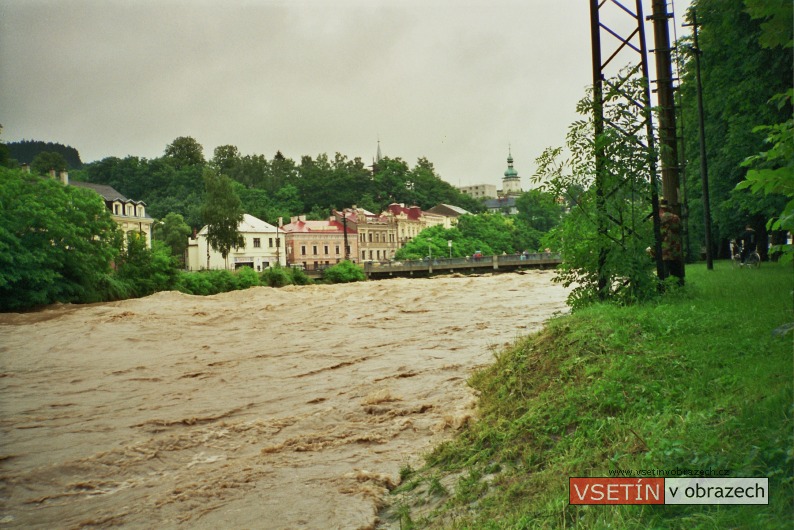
479, 191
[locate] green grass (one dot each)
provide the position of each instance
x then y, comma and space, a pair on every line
697, 380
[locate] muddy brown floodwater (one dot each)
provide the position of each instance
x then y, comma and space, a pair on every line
265, 408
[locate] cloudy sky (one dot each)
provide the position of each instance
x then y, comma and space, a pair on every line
455, 81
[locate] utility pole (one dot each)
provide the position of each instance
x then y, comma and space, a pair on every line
344, 228
667, 128
704, 175
598, 123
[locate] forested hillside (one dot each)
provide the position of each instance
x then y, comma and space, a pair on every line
272, 188
26, 150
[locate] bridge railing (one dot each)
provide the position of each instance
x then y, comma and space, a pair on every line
495, 262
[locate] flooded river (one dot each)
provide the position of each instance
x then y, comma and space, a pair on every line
265, 408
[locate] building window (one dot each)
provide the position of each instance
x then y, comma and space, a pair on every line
257, 242
116, 209
303, 250
363, 254
326, 250
270, 242
370, 237
337, 250
314, 249
370, 254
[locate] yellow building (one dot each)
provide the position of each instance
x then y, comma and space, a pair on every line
129, 214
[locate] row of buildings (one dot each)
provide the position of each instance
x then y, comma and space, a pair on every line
353, 233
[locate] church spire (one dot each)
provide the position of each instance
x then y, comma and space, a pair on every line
378, 156
511, 183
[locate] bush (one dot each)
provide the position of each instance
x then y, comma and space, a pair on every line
344, 272
276, 277
221, 281
299, 277
247, 277
197, 283
146, 270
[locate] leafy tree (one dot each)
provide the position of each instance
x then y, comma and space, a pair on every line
739, 77
538, 213
174, 232
56, 242
603, 239
185, 151
146, 270
47, 160
222, 211
494, 232
433, 241
393, 183
225, 159
772, 171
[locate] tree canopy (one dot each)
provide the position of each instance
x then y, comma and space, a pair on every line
56, 242
741, 72
222, 211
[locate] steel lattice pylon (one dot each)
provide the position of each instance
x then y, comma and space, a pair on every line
626, 34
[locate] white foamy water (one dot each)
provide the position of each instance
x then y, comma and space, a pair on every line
265, 408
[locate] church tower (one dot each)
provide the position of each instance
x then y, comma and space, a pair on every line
511, 183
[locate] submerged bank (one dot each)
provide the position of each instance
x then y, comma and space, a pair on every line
701, 380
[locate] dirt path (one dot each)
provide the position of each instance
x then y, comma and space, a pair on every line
264, 408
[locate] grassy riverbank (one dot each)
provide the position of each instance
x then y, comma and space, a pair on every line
699, 380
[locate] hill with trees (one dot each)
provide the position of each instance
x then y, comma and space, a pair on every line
272, 188
25, 152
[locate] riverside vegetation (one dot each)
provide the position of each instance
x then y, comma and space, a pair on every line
698, 379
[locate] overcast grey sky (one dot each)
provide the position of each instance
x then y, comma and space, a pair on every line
455, 81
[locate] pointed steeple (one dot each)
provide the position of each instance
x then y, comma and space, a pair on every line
511, 172
511, 183
378, 156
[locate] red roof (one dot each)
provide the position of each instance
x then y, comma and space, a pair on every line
413, 213
318, 227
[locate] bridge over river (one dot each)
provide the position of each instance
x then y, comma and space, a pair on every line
428, 267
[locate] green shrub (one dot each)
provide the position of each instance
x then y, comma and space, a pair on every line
344, 272
299, 276
247, 277
276, 277
197, 283
221, 281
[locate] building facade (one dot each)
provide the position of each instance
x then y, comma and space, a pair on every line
264, 247
317, 244
377, 233
129, 214
479, 191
